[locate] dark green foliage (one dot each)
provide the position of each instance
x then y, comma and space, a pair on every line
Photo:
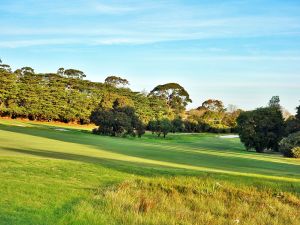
160, 127
298, 113
165, 126
192, 127
118, 121
290, 145
261, 129
152, 126
274, 102
178, 125
292, 124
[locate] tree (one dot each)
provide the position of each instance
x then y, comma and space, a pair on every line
24, 71
261, 129
5, 67
298, 113
118, 121
140, 128
61, 71
116, 81
163, 126
213, 105
175, 96
177, 125
65, 96
292, 124
8, 94
230, 118
71, 73
274, 102
153, 126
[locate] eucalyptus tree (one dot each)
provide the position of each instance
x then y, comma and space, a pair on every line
116, 81
176, 97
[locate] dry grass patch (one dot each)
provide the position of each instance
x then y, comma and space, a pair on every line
195, 201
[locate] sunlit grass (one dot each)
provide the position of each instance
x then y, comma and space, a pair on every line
49, 176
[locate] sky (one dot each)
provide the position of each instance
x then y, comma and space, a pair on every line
242, 52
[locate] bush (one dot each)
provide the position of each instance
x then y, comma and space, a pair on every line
290, 145
296, 152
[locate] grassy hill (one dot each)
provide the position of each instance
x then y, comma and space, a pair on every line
55, 174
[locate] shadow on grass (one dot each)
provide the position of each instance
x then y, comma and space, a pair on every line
141, 169
151, 170
166, 152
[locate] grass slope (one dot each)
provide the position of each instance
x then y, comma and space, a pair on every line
52, 176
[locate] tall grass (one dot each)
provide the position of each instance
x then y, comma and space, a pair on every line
196, 201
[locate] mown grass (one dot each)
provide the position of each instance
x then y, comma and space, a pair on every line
48, 176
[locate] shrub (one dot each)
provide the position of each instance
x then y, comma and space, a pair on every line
296, 152
290, 145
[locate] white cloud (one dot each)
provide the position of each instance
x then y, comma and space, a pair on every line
161, 21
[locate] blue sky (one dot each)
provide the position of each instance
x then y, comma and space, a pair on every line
239, 51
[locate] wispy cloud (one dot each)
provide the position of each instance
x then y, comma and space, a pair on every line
76, 7
110, 9
212, 47
144, 22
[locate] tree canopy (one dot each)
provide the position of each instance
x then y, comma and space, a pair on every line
212, 105
67, 97
261, 129
118, 121
174, 94
116, 81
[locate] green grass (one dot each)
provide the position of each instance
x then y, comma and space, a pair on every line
48, 176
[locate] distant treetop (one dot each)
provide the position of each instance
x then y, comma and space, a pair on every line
116, 81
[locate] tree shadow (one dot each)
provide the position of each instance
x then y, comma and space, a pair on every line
152, 170
181, 154
141, 169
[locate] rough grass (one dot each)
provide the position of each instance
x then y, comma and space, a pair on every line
55, 177
198, 201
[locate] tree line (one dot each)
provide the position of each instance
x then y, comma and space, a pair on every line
67, 96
